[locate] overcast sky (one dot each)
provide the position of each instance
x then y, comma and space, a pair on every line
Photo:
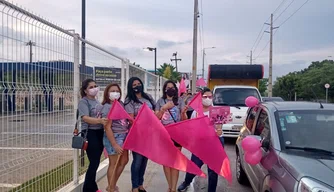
126, 26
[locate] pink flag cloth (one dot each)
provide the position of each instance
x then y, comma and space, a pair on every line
118, 112
148, 137
200, 138
200, 82
182, 87
196, 104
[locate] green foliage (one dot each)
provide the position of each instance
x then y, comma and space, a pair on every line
302, 82
169, 71
263, 86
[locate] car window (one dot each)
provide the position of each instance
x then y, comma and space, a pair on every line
251, 118
307, 128
233, 96
262, 126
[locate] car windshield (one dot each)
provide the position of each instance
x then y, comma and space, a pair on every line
233, 96
307, 129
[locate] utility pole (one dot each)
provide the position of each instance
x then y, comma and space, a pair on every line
204, 59
83, 34
30, 44
176, 59
251, 57
270, 79
194, 68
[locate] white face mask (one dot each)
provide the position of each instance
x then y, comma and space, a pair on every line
114, 95
207, 102
93, 91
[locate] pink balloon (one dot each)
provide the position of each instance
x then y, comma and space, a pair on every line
250, 144
253, 158
251, 101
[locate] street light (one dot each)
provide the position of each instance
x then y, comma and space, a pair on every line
175, 59
203, 59
30, 44
155, 57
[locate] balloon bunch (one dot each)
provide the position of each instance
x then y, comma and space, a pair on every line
251, 101
252, 148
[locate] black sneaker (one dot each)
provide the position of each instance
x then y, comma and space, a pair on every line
183, 187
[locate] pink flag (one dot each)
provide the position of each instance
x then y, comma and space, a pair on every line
196, 104
149, 137
118, 112
200, 138
182, 87
200, 83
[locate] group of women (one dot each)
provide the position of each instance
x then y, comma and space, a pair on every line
111, 134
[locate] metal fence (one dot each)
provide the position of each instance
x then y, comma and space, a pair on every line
40, 73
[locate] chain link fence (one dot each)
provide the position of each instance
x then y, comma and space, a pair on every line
41, 69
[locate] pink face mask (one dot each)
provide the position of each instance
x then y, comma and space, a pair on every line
93, 91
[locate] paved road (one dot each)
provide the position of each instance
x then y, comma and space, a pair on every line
155, 179
32, 144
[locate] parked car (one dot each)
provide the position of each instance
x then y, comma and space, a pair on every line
297, 137
234, 96
266, 99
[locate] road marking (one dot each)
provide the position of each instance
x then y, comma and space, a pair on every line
34, 133
27, 148
8, 185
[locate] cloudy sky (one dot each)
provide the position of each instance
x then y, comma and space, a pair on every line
126, 26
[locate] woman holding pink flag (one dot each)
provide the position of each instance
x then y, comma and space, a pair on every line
170, 109
212, 176
135, 98
114, 137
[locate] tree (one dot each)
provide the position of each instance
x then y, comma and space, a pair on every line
263, 86
168, 71
307, 81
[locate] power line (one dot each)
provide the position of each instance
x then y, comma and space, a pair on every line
265, 46
294, 12
261, 31
258, 41
279, 6
284, 10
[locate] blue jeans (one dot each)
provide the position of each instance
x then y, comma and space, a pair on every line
212, 176
119, 137
138, 168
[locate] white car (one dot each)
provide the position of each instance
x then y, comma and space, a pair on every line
234, 96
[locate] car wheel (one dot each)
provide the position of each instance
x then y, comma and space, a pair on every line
241, 175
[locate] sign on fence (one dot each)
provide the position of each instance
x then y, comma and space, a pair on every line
107, 75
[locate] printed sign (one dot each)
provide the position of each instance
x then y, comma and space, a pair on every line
220, 115
107, 75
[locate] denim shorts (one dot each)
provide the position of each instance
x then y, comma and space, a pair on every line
119, 137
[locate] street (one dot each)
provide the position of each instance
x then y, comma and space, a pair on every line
155, 180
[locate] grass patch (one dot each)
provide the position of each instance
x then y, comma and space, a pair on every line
53, 179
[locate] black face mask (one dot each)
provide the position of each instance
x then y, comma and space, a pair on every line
138, 89
171, 92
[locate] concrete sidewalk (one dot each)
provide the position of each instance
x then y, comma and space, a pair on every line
154, 179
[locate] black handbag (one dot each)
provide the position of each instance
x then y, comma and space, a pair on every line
79, 141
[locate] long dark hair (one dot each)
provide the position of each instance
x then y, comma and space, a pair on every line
106, 93
164, 94
131, 95
84, 86
205, 89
